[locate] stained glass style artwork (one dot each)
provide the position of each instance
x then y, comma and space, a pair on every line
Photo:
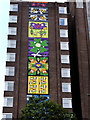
38, 18
38, 66
43, 4
38, 29
36, 10
38, 47
37, 85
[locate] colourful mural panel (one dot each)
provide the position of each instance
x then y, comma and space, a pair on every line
38, 29
38, 18
43, 4
38, 66
37, 85
36, 10
38, 47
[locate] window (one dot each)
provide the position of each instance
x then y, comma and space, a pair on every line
14, 7
64, 45
67, 102
65, 72
13, 19
12, 31
8, 101
63, 21
62, 10
64, 58
79, 3
7, 115
63, 33
11, 44
9, 85
10, 71
11, 57
66, 87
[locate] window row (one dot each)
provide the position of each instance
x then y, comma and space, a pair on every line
8, 102
14, 7
67, 102
10, 71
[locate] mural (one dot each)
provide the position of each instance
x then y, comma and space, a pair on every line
38, 18
38, 47
36, 10
38, 50
38, 29
37, 85
43, 4
37, 66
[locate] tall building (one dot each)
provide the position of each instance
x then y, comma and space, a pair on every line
47, 54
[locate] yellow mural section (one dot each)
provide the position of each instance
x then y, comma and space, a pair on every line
38, 29
37, 84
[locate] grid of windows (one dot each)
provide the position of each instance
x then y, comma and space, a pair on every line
11, 57
62, 10
12, 31
62, 21
13, 7
13, 19
66, 87
11, 44
10, 71
65, 59
9, 85
67, 102
65, 72
8, 102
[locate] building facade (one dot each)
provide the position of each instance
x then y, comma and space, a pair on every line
48, 55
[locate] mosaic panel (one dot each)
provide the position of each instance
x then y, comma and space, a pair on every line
38, 29
37, 85
43, 4
38, 18
38, 66
35, 10
38, 47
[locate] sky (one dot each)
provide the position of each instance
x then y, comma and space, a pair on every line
4, 18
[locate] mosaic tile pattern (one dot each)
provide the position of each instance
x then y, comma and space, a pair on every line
37, 85
38, 49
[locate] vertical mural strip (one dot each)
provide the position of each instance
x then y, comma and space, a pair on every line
38, 50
